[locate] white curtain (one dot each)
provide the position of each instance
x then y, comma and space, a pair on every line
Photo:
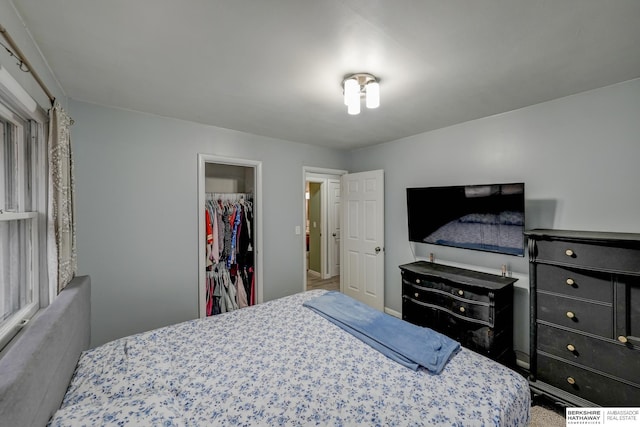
61, 239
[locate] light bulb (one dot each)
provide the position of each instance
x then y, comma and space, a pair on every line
373, 95
354, 106
351, 90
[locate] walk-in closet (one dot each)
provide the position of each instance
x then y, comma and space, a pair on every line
229, 236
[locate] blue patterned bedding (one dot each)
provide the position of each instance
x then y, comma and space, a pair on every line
279, 363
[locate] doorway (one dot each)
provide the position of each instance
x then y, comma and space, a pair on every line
322, 218
231, 182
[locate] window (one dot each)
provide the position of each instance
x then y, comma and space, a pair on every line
22, 196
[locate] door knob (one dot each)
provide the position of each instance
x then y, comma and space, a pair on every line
377, 249
334, 234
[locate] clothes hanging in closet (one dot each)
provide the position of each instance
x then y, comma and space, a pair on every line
230, 281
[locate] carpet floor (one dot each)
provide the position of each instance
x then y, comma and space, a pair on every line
544, 416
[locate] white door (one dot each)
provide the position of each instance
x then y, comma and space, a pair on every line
363, 237
334, 228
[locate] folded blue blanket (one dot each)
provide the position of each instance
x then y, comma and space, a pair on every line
410, 345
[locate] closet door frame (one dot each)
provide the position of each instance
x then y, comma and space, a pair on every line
203, 160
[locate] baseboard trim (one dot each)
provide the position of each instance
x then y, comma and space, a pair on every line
393, 312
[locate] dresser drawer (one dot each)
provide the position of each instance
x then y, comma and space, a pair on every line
483, 339
588, 385
470, 310
445, 287
419, 314
493, 343
581, 315
616, 359
589, 255
575, 283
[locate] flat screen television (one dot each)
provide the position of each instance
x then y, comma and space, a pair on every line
481, 217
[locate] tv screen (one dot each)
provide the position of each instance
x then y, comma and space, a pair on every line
481, 217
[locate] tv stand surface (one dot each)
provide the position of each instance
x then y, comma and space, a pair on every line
472, 307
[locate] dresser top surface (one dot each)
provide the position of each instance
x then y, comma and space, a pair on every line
576, 235
459, 275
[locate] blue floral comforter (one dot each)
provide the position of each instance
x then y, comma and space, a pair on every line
279, 363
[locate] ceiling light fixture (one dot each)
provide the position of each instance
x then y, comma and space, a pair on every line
357, 86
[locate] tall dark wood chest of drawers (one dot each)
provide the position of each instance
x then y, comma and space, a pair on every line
585, 317
474, 308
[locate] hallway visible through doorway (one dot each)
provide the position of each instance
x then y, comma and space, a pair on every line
322, 214
322, 230
315, 282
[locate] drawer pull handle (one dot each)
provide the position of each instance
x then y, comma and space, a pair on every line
571, 381
416, 295
460, 292
622, 339
571, 315
570, 282
571, 348
418, 281
568, 252
462, 310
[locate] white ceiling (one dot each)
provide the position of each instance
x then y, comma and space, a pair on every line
275, 67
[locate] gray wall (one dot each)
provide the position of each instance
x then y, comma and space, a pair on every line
12, 22
577, 155
136, 189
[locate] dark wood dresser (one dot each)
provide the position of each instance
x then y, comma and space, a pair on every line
471, 307
585, 317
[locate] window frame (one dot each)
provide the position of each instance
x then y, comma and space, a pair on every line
33, 172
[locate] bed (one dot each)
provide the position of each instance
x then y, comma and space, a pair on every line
36, 366
280, 363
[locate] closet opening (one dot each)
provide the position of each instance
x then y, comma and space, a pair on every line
229, 234
322, 229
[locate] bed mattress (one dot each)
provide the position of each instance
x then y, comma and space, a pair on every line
279, 363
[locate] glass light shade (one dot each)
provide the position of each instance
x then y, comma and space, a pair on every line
354, 106
351, 90
373, 95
